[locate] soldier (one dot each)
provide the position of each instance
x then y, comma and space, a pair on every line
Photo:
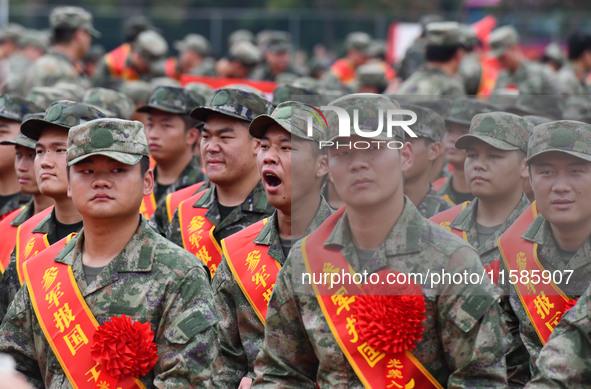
171, 135
133, 64
243, 57
277, 58
118, 269
519, 76
357, 45
44, 96
553, 236
371, 78
236, 198
443, 55
12, 111
194, 51
471, 69
379, 231
426, 149
455, 189
71, 37
53, 224
414, 57
293, 167
572, 77
139, 92
114, 104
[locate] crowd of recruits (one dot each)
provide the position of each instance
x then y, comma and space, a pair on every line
93, 172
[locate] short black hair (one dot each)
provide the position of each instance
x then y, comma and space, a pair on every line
578, 42
440, 53
62, 35
190, 122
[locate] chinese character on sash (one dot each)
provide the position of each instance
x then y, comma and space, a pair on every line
543, 305
49, 277
53, 296
75, 339
268, 292
351, 328
253, 259
341, 299
371, 356
196, 223
63, 317
260, 277
204, 255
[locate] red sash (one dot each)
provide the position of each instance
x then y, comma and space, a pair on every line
170, 68
65, 318
8, 241
544, 303
438, 183
116, 61
28, 243
374, 368
343, 70
175, 198
445, 218
197, 233
148, 206
253, 268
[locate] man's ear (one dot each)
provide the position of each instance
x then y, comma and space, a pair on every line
148, 182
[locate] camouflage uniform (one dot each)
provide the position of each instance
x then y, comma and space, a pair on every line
56, 66
151, 280
432, 203
462, 342
431, 80
572, 138
461, 346
415, 54
569, 84
176, 101
114, 104
471, 73
200, 45
563, 361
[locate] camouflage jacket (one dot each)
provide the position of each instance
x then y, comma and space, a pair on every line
568, 82
25, 214
52, 68
205, 68
447, 190
413, 59
549, 256
563, 361
15, 201
466, 221
191, 175
471, 73
462, 342
431, 81
529, 79
241, 331
254, 208
263, 72
432, 203
152, 281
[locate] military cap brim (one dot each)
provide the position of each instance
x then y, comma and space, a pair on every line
582, 156
464, 141
201, 113
126, 158
147, 108
20, 140
33, 128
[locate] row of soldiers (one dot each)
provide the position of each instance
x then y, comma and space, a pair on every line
231, 308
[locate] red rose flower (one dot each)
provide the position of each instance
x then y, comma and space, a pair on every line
124, 348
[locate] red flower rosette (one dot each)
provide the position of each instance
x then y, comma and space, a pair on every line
389, 318
124, 348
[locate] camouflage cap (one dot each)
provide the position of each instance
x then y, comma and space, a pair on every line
246, 53
554, 53
444, 34
293, 117
360, 41
278, 42
289, 92
114, 104
440, 106
429, 124
371, 111
536, 119
469, 36
164, 81
377, 49
72, 17
463, 110
195, 42
71, 88
201, 89
138, 91
173, 100
123, 140
246, 88
240, 36
151, 45
577, 108
501, 130
371, 74
501, 39
235, 103
64, 114
34, 38
566, 136
15, 108
20, 140
427, 19
541, 105
14, 32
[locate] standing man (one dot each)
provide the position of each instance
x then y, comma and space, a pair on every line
292, 167
236, 198
171, 136
553, 236
443, 56
54, 223
572, 76
426, 149
317, 333
71, 37
117, 270
357, 45
194, 56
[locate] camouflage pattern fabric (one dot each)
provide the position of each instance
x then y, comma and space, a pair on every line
432, 204
530, 78
173, 100
568, 82
567, 136
236, 103
241, 331
470, 72
152, 281
462, 343
52, 68
431, 81
114, 104
13, 202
